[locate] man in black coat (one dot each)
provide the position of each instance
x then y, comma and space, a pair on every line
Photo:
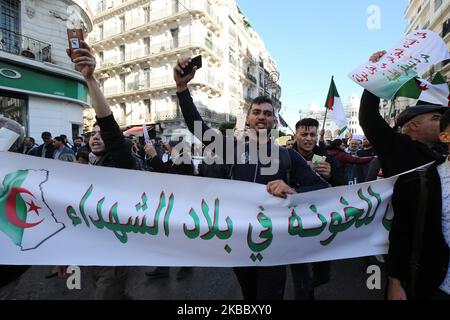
111, 149
45, 150
433, 273
290, 174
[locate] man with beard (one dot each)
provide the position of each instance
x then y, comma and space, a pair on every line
291, 175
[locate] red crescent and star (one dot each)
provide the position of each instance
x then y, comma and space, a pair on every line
11, 212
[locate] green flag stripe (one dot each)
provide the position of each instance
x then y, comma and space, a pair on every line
11, 181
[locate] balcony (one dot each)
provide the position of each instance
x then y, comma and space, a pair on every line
153, 84
141, 24
18, 44
251, 78
143, 54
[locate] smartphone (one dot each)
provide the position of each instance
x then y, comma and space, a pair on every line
195, 62
74, 36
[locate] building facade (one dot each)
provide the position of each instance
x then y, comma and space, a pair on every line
137, 43
39, 87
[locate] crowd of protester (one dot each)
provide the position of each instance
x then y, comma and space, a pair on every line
308, 163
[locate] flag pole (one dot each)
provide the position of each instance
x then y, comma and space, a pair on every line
326, 111
325, 119
279, 115
291, 130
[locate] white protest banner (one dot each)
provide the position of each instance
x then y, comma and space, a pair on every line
59, 213
412, 54
146, 135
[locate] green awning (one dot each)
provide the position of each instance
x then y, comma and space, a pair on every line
20, 78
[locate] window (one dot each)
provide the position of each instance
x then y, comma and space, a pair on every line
174, 33
147, 14
9, 21
123, 108
147, 77
100, 32
175, 6
9, 15
148, 106
122, 24
208, 40
122, 83
101, 57
122, 53
147, 45
75, 131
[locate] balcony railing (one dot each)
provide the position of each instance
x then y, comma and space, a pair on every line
19, 44
158, 48
154, 83
153, 16
252, 78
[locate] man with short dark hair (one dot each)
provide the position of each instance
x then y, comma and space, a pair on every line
61, 149
28, 146
306, 138
78, 145
267, 282
46, 149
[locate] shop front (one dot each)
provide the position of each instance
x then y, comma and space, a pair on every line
43, 99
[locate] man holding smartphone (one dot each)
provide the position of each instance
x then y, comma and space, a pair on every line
292, 174
111, 150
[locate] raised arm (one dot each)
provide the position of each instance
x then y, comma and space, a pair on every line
188, 108
112, 136
375, 128
85, 64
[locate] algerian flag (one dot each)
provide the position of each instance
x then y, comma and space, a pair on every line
25, 217
336, 108
282, 121
436, 92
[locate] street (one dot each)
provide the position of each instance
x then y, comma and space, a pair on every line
348, 283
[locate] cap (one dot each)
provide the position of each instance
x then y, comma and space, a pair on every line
412, 112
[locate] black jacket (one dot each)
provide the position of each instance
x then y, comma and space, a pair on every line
434, 258
303, 179
117, 150
185, 169
397, 152
38, 151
